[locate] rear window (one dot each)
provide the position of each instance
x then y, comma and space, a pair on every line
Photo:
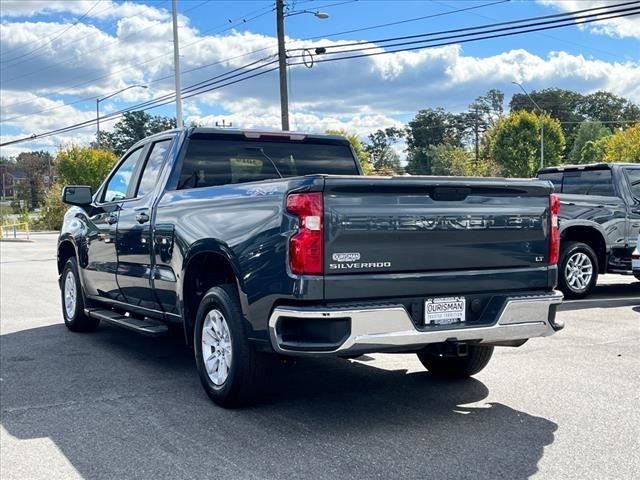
210, 162
588, 182
553, 177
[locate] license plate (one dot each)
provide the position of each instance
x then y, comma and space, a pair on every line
445, 310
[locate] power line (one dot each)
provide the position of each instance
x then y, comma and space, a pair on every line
232, 58
114, 116
562, 40
259, 70
55, 36
568, 22
190, 91
91, 34
155, 80
572, 15
125, 69
117, 40
408, 20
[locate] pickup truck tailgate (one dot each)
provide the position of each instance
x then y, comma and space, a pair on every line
431, 224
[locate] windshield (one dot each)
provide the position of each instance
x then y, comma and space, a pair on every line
216, 161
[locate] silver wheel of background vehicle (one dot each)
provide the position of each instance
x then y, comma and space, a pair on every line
216, 347
70, 295
579, 271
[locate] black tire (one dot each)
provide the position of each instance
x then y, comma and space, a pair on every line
569, 251
457, 367
75, 319
244, 375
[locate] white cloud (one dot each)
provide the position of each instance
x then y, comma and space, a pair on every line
626, 27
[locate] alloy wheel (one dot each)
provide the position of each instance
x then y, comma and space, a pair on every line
579, 271
216, 347
70, 293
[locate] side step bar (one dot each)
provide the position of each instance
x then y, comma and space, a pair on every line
146, 327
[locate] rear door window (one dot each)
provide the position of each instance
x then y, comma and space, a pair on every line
152, 168
588, 182
633, 174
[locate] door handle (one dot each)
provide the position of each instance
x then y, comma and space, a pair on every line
142, 217
112, 218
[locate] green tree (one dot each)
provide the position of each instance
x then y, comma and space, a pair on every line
564, 105
52, 211
358, 148
607, 107
75, 166
35, 165
571, 108
588, 132
624, 146
483, 113
517, 143
84, 166
381, 153
133, 127
431, 127
457, 161
593, 150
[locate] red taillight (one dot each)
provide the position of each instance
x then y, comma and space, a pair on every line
306, 246
554, 237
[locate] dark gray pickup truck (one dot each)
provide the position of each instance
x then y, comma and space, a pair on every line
599, 221
253, 243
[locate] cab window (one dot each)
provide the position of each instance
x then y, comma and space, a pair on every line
118, 184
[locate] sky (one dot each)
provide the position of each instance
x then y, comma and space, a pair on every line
58, 57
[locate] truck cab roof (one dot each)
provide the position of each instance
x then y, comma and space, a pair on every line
586, 166
254, 134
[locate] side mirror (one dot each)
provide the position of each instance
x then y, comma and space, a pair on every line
79, 195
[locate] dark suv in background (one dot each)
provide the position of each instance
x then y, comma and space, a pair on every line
599, 221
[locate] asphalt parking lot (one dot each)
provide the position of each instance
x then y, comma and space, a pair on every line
114, 404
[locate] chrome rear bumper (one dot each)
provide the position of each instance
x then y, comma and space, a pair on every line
380, 328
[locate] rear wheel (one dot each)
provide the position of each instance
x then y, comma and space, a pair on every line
73, 300
477, 358
577, 270
228, 365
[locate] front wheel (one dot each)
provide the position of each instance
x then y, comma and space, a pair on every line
477, 358
577, 270
228, 365
73, 300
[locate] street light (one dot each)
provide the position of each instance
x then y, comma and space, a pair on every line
282, 57
320, 15
98, 100
541, 123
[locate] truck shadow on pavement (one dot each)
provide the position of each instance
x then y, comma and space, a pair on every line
607, 296
119, 405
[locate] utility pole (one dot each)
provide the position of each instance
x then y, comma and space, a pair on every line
176, 65
542, 139
282, 65
477, 134
98, 121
